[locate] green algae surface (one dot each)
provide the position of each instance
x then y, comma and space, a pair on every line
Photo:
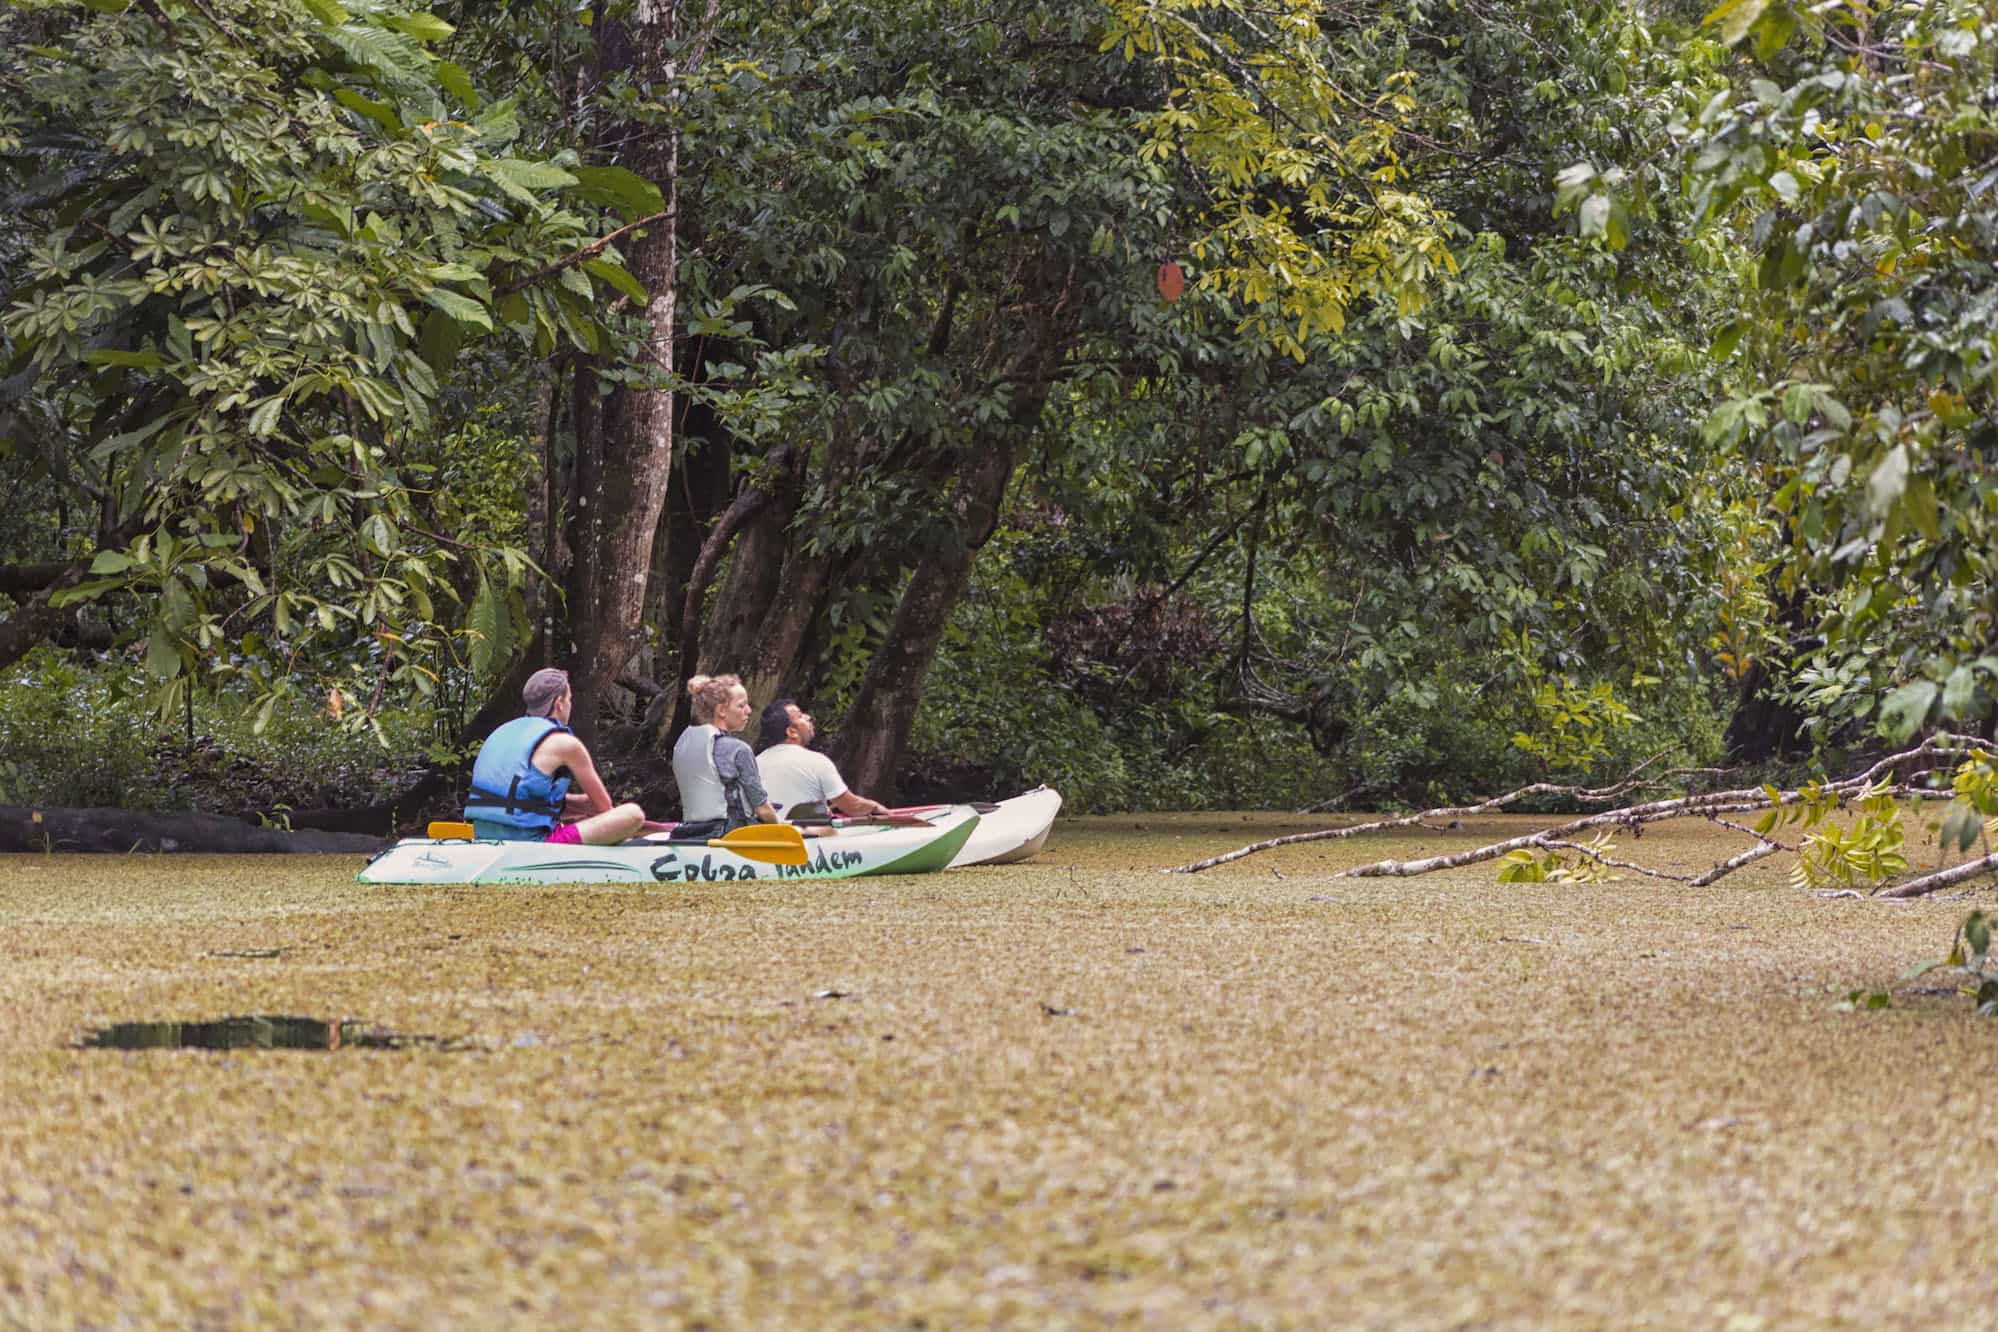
1074, 1092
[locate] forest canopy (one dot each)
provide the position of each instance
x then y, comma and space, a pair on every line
1186, 405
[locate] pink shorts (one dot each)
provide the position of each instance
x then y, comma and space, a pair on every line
566, 834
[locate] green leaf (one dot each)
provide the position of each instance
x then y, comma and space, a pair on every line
1797, 404
111, 562
394, 58
1616, 228
423, 27
1594, 215
488, 623
87, 590
513, 308
1959, 691
1906, 708
441, 338
1918, 502
521, 178
616, 276
461, 308
1889, 480
615, 187
329, 12
108, 6
138, 360
1735, 18
458, 83
380, 112
162, 656
264, 419
1959, 828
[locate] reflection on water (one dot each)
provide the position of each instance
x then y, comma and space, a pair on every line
250, 1033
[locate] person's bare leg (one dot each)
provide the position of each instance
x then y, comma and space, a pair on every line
611, 827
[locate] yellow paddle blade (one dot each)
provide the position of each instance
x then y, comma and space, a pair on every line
772, 843
441, 831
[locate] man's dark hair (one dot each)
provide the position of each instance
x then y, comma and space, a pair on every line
776, 721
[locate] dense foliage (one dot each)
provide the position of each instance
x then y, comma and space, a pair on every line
1184, 404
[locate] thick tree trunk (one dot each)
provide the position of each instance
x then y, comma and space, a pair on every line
748, 591
1763, 726
877, 729
622, 493
1023, 348
775, 667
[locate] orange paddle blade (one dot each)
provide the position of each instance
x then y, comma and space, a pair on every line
773, 843
442, 831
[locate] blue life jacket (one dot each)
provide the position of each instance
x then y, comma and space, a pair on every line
507, 788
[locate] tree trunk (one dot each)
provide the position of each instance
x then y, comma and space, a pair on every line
623, 491
877, 729
1764, 727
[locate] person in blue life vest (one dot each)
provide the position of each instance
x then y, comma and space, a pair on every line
720, 788
522, 778
801, 780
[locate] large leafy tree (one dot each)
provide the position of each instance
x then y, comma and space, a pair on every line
257, 235
965, 213
1514, 458
1854, 158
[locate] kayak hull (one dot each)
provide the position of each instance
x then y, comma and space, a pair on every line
1015, 831
850, 854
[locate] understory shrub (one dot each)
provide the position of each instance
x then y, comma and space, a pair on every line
85, 733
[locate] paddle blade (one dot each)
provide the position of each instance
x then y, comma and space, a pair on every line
441, 831
772, 843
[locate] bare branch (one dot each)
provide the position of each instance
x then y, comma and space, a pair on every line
1710, 804
1930, 883
1733, 863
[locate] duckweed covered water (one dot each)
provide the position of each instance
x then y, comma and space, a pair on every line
1073, 1092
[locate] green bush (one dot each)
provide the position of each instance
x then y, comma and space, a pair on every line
85, 734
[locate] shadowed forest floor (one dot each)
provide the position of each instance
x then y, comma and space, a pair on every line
1072, 1092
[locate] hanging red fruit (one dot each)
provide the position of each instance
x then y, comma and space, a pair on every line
1172, 281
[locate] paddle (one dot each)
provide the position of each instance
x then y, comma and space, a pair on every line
865, 820
772, 843
980, 806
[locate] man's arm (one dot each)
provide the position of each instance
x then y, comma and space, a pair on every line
851, 802
566, 751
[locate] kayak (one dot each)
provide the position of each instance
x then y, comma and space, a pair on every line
1016, 830
1010, 831
847, 853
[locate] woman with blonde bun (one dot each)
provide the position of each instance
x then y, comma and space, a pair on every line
719, 783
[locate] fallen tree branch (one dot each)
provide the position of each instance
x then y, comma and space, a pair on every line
1955, 874
1491, 806
1733, 863
1709, 804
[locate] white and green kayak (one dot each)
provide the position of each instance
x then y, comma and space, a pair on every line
847, 853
